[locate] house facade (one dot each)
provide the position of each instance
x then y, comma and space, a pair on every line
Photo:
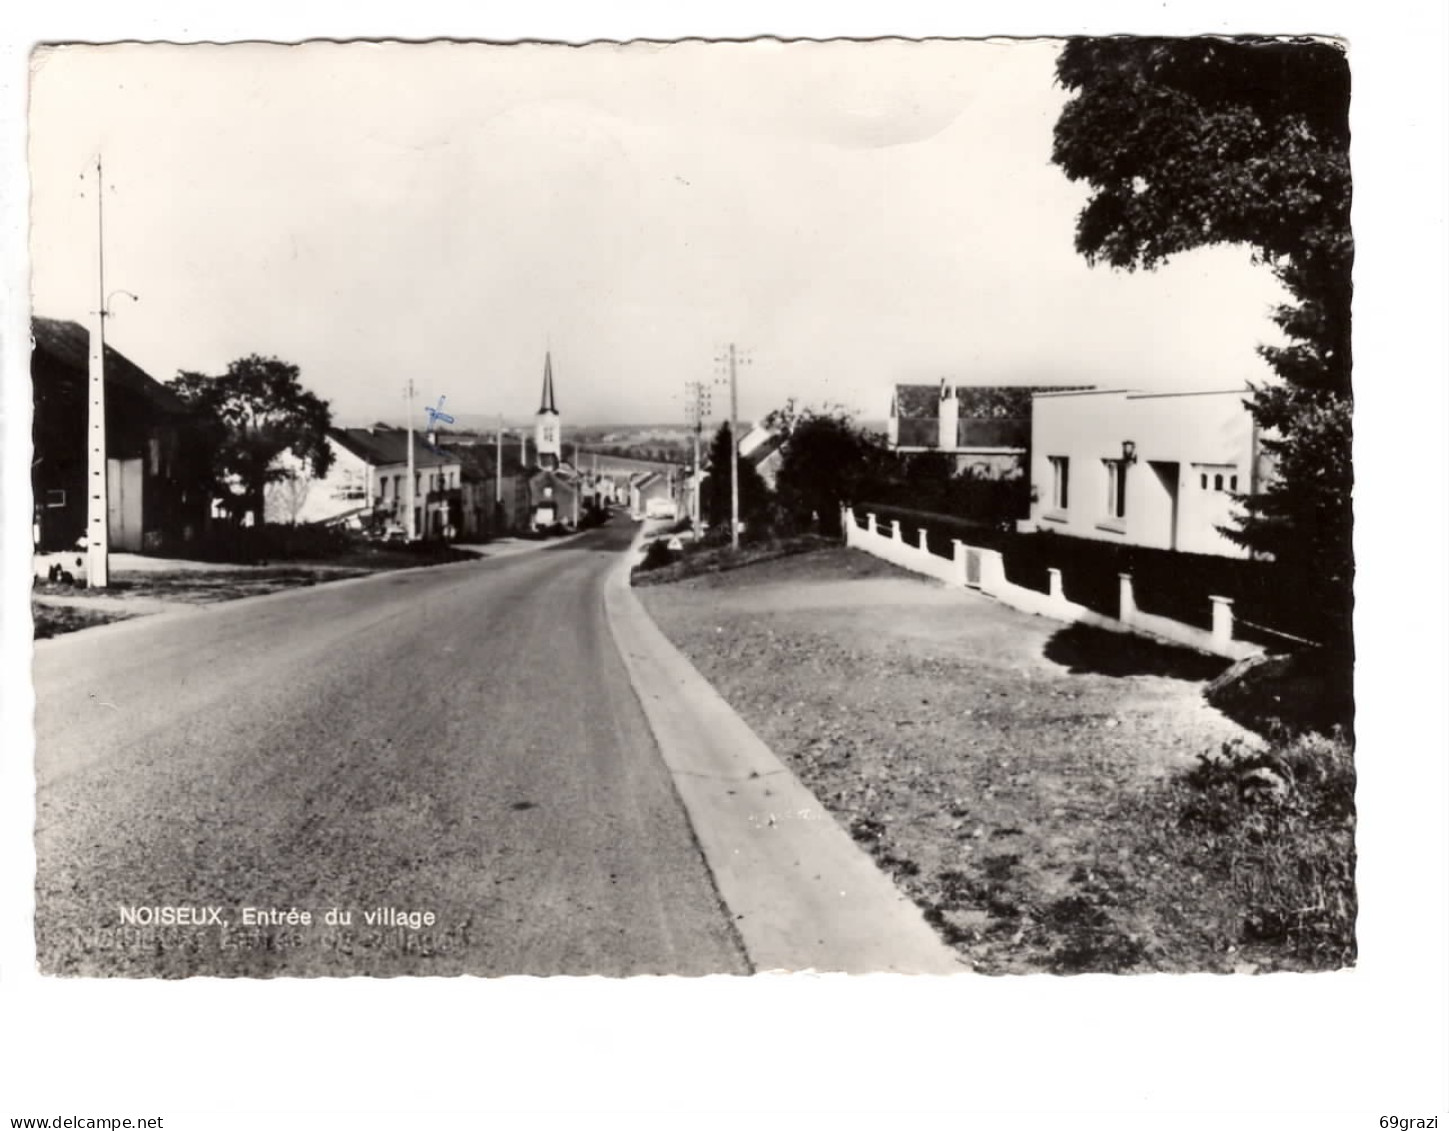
985, 429
1144, 469
367, 483
154, 499
650, 487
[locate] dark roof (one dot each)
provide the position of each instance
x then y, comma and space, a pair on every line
390, 445
68, 346
480, 461
976, 402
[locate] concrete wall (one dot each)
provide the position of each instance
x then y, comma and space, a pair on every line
1189, 449
887, 541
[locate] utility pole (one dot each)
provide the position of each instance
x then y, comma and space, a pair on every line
412, 475
498, 485
97, 519
697, 407
734, 456
734, 449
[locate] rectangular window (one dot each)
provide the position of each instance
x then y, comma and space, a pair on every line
55, 497
1116, 487
1061, 469
154, 446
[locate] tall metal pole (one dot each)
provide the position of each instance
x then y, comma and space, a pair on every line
412, 474
734, 458
97, 519
498, 484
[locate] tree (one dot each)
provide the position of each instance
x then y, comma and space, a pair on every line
827, 461
250, 415
718, 488
288, 495
1188, 143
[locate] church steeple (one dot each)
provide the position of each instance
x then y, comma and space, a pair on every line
547, 431
546, 404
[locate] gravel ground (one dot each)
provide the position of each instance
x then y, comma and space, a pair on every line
979, 753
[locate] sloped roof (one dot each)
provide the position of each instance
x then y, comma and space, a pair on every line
379, 446
759, 452
68, 346
975, 402
480, 461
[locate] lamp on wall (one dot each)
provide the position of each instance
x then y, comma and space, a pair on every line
1129, 451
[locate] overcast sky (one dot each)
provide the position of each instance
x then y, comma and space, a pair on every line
851, 214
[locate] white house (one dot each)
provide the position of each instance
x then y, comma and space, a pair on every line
368, 481
1146, 469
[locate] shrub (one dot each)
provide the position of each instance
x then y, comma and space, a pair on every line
657, 555
1279, 825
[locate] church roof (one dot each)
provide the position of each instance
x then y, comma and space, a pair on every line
546, 404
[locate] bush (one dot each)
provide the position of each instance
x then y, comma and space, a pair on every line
658, 555
1279, 824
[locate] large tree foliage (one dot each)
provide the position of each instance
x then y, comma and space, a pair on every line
827, 461
253, 413
1188, 143
718, 491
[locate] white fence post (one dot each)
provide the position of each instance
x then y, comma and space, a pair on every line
993, 571
1054, 584
921, 541
847, 524
896, 531
1222, 621
870, 524
958, 561
1126, 602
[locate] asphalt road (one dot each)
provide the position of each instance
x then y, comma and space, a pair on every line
461, 742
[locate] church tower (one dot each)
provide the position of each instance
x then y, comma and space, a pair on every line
547, 432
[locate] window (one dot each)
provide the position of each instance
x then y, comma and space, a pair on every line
154, 447
1218, 478
1116, 487
1061, 468
55, 497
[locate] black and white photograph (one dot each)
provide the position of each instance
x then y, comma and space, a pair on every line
693, 510
715, 510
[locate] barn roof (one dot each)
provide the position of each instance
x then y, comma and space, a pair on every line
68, 344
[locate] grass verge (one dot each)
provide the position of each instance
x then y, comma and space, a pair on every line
1055, 799
56, 620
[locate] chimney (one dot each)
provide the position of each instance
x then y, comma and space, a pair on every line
950, 411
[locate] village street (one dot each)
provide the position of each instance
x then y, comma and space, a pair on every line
453, 753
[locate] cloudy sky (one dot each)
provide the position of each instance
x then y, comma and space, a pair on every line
851, 214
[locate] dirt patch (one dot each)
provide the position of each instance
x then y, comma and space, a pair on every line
1017, 777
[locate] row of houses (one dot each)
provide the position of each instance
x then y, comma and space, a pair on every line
156, 461
1116, 465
